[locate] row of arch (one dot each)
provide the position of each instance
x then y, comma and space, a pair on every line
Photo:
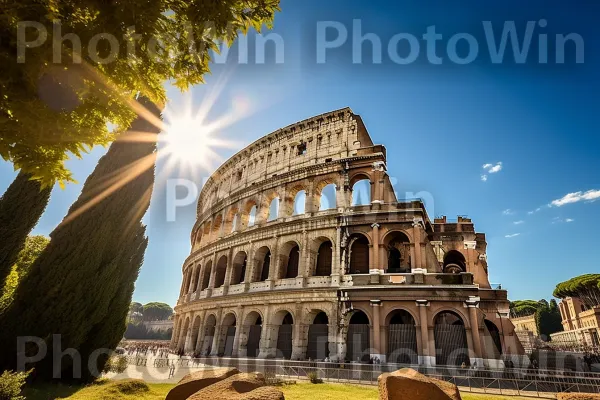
449, 335
288, 263
272, 207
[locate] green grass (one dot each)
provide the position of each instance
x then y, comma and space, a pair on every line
128, 390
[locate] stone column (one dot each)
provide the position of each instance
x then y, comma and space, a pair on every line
300, 335
425, 358
238, 330
377, 333
418, 263
215, 343
472, 305
376, 265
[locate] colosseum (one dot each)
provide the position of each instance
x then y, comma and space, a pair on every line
302, 251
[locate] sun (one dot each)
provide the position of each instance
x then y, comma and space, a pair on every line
187, 140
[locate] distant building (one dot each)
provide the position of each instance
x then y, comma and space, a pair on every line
527, 332
159, 326
581, 324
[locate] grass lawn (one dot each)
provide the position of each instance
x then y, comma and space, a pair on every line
128, 390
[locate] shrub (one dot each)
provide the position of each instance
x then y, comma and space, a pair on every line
11, 384
314, 377
578, 396
116, 364
130, 386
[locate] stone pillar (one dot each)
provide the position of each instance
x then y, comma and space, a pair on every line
425, 358
376, 264
300, 335
238, 330
418, 262
215, 344
472, 305
377, 351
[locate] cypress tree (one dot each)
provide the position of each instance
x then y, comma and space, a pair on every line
80, 287
21, 207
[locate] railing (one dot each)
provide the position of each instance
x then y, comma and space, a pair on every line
521, 382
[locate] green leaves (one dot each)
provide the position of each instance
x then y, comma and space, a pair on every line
40, 128
584, 287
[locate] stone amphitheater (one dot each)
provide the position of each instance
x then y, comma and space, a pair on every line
302, 251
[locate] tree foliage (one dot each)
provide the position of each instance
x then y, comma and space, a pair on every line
523, 308
584, 287
56, 103
34, 245
157, 311
136, 307
20, 209
139, 331
80, 286
548, 319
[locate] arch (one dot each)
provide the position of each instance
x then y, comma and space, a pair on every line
454, 262
273, 209
228, 328
176, 333
492, 340
299, 203
210, 324
188, 281
361, 192
234, 222
220, 272
253, 326
450, 339
231, 220
289, 260
284, 334
262, 263
398, 252
249, 213
318, 337
184, 334
357, 338
197, 278
324, 259
206, 275
238, 273
359, 254
402, 337
195, 332
328, 197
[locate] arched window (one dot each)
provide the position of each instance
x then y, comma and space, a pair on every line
252, 216
292, 264
357, 339
361, 193
262, 261
206, 276
359, 255
284, 334
273, 210
299, 203
491, 339
402, 338
220, 272
238, 274
450, 339
399, 258
328, 197
324, 259
454, 262
318, 338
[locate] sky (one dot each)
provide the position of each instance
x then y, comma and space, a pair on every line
511, 143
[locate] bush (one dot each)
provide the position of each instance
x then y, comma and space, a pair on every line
314, 377
578, 396
11, 384
116, 364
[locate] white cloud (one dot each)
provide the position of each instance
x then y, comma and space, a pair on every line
490, 169
519, 222
508, 211
512, 235
534, 211
590, 195
558, 220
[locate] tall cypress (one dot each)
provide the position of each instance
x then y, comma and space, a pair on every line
21, 207
80, 287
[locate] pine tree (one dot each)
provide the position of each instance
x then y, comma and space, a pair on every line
80, 287
21, 207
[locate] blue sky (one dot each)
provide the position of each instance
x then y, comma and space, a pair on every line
440, 123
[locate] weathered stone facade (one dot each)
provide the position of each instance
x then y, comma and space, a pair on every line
287, 262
